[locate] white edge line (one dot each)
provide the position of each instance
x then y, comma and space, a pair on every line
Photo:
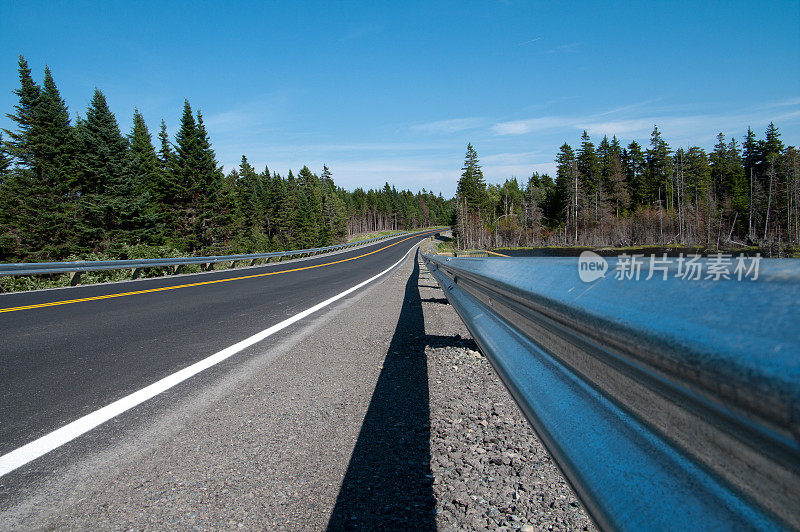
41, 446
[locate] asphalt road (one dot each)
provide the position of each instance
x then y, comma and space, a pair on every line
61, 361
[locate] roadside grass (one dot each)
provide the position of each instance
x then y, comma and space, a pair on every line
367, 236
24, 283
787, 252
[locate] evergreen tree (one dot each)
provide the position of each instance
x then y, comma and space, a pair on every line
568, 193
186, 170
53, 137
36, 215
589, 170
658, 167
215, 209
103, 149
144, 163
614, 178
472, 186
720, 169
471, 199
5, 161
327, 177
21, 145
635, 170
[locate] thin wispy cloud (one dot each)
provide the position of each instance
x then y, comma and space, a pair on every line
511, 158
565, 48
251, 117
449, 126
638, 121
530, 41
521, 127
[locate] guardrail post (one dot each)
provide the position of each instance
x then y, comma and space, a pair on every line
253, 262
177, 269
75, 278
135, 273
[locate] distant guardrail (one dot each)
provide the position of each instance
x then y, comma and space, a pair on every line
137, 265
668, 403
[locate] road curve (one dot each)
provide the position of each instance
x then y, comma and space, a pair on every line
66, 353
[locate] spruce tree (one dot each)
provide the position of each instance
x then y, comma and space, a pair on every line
635, 170
144, 164
215, 210
5, 161
658, 167
186, 171
20, 145
53, 137
103, 149
36, 211
615, 183
186, 164
589, 169
472, 186
114, 209
568, 193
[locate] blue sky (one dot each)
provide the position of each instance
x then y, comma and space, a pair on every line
394, 91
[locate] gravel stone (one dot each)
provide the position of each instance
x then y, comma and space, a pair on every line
378, 414
485, 456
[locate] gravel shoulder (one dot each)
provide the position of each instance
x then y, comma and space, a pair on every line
378, 413
491, 471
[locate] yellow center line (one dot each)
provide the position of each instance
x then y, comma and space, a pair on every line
164, 288
496, 253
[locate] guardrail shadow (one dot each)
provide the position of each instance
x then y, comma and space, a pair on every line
388, 483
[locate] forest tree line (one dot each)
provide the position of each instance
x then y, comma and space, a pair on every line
73, 190
739, 194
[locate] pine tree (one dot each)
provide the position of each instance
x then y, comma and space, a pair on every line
720, 172
36, 213
215, 210
20, 145
103, 149
327, 177
472, 185
614, 179
635, 169
658, 167
186, 164
568, 193
186, 170
53, 137
471, 199
750, 157
589, 170
5, 161
144, 163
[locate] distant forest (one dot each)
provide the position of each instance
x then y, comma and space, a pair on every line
84, 190
740, 194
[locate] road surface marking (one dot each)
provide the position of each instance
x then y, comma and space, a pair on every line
165, 288
41, 446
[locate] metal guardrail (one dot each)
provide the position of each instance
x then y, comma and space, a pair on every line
42, 268
669, 404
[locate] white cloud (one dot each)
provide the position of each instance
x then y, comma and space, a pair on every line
637, 121
565, 48
449, 126
520, 127
530, 41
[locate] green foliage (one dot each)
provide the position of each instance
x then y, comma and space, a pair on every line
86, 191
612, 196
472, 186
